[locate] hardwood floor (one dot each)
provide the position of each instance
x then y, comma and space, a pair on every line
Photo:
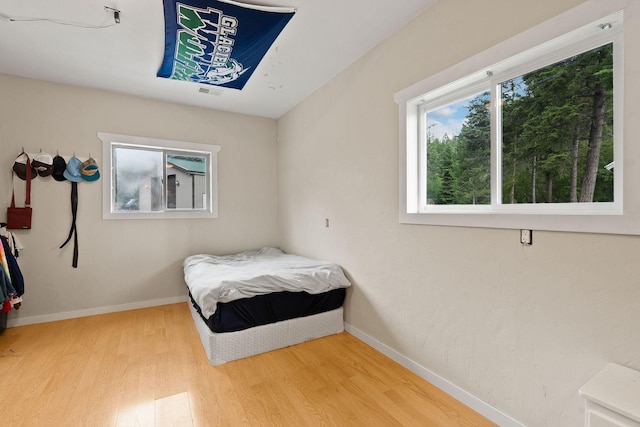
148, 368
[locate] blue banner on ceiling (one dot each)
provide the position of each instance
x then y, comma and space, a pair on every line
218, 42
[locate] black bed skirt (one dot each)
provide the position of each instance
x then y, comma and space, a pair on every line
264, 309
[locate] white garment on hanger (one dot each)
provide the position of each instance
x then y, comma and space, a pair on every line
14, 243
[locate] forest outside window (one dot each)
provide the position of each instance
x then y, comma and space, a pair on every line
152, 178
554, 129
538, 133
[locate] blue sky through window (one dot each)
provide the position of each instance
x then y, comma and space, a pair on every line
448, 119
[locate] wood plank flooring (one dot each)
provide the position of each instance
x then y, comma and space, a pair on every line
148, 368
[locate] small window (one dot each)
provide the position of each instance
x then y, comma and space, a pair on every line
153, 178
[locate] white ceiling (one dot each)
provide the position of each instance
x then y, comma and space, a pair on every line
323, 38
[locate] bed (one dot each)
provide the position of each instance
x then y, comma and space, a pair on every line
261, 300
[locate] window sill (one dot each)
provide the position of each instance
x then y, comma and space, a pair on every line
602, 223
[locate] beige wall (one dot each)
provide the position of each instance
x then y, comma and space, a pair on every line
127, 261
521, 328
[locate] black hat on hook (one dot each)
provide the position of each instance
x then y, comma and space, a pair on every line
59, 166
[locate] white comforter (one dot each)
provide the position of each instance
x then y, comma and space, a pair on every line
212, 279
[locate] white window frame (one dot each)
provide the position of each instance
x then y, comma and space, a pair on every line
167, 147
575, 31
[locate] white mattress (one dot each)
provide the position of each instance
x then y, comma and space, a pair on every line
225, 347
212, 279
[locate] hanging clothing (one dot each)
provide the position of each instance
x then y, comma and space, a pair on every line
6, 287
4, 263
14, 243
11, 279
17, 280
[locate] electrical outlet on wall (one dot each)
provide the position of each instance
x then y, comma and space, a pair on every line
526, 237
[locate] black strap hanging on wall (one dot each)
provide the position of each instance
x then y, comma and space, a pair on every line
73, 231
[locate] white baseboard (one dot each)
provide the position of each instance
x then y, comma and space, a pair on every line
448, 387
21, 321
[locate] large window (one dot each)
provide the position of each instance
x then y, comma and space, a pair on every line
534, 134
553, 129
152, 178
